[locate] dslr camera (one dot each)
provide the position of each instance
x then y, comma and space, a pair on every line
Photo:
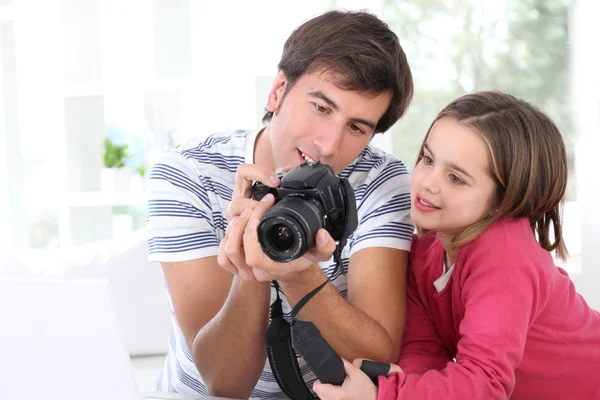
310, 197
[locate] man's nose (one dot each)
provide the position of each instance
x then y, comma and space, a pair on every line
329, 141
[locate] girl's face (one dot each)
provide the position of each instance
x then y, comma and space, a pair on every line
451, 186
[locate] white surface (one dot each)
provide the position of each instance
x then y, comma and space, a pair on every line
137, 284
585, 80
94, 199
7, 13
47, 361
146, 370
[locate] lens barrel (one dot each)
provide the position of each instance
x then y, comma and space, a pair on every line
289, 228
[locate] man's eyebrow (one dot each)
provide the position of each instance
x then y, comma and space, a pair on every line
451, 165
333, 105
326, 99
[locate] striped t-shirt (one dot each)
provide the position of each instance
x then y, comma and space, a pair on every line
189, 191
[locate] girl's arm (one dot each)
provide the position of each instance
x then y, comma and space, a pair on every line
422, 349
500, 303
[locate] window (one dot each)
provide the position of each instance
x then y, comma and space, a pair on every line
519, 47
152, 74
530, 49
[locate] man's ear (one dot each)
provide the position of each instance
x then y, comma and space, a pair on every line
276, 92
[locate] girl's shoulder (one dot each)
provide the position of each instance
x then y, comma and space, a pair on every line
426, 250
424, 243
510, 243
503, 235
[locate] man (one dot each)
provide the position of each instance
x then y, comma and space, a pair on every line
342, 78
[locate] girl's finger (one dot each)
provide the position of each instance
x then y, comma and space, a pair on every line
325, 391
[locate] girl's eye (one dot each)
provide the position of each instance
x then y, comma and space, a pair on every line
456, 180
428, 160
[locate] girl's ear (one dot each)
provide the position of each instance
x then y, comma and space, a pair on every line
276, 92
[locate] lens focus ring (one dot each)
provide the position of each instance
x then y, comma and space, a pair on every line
288, 229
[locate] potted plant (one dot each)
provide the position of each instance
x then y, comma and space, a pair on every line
138, 179
114, 176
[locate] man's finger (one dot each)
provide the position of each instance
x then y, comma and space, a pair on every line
234, 249
237, 207
259, 209
247, 174
222, 258
324, 246
287, 168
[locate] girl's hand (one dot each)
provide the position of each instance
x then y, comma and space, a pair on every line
357, 384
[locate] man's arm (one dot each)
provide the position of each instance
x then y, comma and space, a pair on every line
371, 323
223, 319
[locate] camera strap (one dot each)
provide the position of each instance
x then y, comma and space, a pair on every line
279, 341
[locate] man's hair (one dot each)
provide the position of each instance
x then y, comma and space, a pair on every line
358, 51
528, 163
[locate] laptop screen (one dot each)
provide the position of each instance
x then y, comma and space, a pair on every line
60, 340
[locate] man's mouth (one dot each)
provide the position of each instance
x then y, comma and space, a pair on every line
306, 157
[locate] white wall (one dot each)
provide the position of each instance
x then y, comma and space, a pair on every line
586, 101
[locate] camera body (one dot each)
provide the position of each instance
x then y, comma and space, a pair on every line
310, 197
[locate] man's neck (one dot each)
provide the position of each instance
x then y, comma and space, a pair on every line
263, 153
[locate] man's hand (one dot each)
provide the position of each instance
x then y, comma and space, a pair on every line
265, 269
240, 252
357, 384
231, 256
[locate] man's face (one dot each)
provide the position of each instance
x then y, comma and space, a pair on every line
316, 120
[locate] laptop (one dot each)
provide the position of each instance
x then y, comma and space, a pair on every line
59, 339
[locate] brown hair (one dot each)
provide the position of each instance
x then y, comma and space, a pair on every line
360, 53
528, 162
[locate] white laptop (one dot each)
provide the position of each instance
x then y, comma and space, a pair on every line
59, 339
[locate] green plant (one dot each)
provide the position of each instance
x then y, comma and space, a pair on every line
115, 155
141, 170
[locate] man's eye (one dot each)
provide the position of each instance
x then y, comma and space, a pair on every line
320, 108
356, 128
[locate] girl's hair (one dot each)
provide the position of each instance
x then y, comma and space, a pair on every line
528, 162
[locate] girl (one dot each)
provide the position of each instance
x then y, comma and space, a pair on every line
489, 316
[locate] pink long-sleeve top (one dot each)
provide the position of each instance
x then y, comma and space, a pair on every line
511, 319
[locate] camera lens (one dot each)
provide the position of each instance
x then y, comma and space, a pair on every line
281, 237
289, 228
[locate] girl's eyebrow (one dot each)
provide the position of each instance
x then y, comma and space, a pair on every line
450, 164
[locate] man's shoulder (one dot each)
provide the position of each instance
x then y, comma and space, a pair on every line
217, 154
375, 166
227, 143
215, 158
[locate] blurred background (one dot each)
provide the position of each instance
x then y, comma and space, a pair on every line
93, 91
150, 74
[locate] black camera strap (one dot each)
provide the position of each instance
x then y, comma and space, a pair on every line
279, 340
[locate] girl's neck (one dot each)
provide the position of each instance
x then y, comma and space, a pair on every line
449, 253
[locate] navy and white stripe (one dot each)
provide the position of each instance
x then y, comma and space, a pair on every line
189, 191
